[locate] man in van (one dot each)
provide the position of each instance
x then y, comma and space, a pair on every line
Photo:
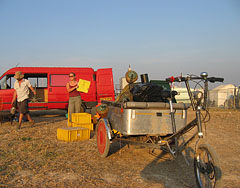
21, 93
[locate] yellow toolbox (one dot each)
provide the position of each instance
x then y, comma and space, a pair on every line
86, 125
73, 134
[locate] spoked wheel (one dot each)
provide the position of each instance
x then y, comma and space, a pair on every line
206, 167
103, 143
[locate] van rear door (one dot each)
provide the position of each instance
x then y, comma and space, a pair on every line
105, 87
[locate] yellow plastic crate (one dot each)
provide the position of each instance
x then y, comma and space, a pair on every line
69, 123
81, 118
73, 134
87, 125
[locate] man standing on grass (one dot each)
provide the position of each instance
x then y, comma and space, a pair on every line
21, 92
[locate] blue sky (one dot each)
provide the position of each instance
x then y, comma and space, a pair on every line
158, 37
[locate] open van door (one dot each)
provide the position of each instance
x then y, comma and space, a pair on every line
6, 91
105, 87
57, 92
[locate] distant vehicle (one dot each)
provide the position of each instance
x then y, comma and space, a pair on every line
50, 85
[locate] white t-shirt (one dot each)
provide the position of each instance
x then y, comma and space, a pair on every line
23, 90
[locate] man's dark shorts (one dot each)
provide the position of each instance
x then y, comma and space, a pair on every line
23, 107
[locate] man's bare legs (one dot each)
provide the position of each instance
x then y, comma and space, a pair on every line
21, 117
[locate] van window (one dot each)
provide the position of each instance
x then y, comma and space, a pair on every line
59, 80
3, 83
37, 80
7, 82
10, 81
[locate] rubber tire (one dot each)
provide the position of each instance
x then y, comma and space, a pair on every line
216, 165
103, 142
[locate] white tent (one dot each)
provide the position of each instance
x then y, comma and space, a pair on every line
220, 94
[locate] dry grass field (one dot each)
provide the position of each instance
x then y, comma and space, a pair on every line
33, 157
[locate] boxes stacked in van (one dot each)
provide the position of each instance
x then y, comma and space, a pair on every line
78, 129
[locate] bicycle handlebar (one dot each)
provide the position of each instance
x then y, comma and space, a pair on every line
176, 79
215, 79
182, 79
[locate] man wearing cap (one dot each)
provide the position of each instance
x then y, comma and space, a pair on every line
21, 92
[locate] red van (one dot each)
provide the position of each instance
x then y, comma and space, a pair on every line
50, 85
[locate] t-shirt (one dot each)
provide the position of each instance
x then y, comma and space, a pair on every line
22, 90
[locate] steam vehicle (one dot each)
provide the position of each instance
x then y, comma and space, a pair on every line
162, 125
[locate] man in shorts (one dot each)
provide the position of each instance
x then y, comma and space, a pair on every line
21, 92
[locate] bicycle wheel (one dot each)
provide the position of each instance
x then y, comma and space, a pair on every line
207, 167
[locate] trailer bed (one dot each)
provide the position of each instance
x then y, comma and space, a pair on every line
146, 118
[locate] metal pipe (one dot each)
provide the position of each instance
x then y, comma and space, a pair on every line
173, 122
190, 94
205, 94
199, 123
